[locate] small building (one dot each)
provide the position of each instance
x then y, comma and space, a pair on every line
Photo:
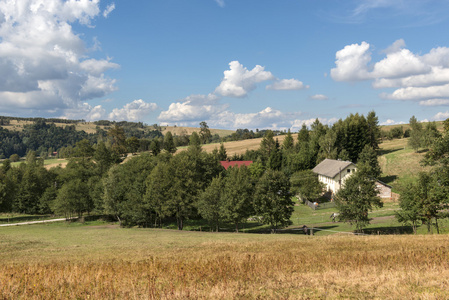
384, 190
227, 163
333, 173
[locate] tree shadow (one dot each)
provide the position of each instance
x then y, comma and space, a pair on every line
389, 230
387, 151
422, 151
5, 219
388, 179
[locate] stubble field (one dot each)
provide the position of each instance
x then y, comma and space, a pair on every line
106, 262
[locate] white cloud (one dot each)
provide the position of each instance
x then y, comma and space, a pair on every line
108, 10
414, 77
238, 80
97, 67
390, 122
43, 61
287, 84
134, 111
86, 112
220, 3
319, 97
96, 113
395, 47
419, 93
441, 116
400, 64
352, 62
192, 109
296, 125
434, 102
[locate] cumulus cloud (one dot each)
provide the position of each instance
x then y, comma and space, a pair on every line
238, 80
352, 63
192, 109
319, 97
441, 116
287, 84
391, 122
134, 111
414, 77
85, 111
42, 60
296, 125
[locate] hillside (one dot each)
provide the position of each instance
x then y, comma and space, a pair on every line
175, 130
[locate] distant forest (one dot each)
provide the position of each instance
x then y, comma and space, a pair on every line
44, 137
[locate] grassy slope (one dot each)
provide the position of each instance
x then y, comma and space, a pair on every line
105, 262
400, 164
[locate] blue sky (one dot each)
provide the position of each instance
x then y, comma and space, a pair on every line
232, 63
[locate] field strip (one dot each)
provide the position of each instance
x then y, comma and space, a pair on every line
35, 222
316, 228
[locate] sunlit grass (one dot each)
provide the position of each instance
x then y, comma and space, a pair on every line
108, 262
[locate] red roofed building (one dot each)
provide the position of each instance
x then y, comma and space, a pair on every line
226, 163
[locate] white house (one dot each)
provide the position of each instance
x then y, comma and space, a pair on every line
333, 173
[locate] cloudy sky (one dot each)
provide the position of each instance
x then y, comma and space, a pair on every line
232, 63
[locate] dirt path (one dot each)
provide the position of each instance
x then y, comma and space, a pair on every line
34, 222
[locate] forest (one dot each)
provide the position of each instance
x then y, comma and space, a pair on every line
158, 187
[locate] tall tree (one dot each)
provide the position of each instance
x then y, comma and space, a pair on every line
287, 144
272, 199
117, 135
373, 129
237, 195
210, 203
195, 141
205, 134
267, 145
368, 162
275, 158
327, 145
415, 140
169, 144
222, 155
356, 198
306, 184
303, 136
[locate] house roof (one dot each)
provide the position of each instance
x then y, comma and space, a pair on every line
331, 167
226, 163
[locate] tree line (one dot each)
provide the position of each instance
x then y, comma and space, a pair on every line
158, 187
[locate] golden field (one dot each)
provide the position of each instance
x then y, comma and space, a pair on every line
107, 262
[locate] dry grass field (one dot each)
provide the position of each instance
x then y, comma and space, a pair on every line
240, 147
106, 262
175, 130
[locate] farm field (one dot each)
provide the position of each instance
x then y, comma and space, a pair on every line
48, 163
102, 261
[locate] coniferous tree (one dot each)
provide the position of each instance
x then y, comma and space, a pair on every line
169, 144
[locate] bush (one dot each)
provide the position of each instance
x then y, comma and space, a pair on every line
14, 158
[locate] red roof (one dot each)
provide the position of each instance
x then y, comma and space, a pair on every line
226, 163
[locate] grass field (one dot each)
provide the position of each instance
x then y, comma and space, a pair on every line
400, 164
103, 261
48, 163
